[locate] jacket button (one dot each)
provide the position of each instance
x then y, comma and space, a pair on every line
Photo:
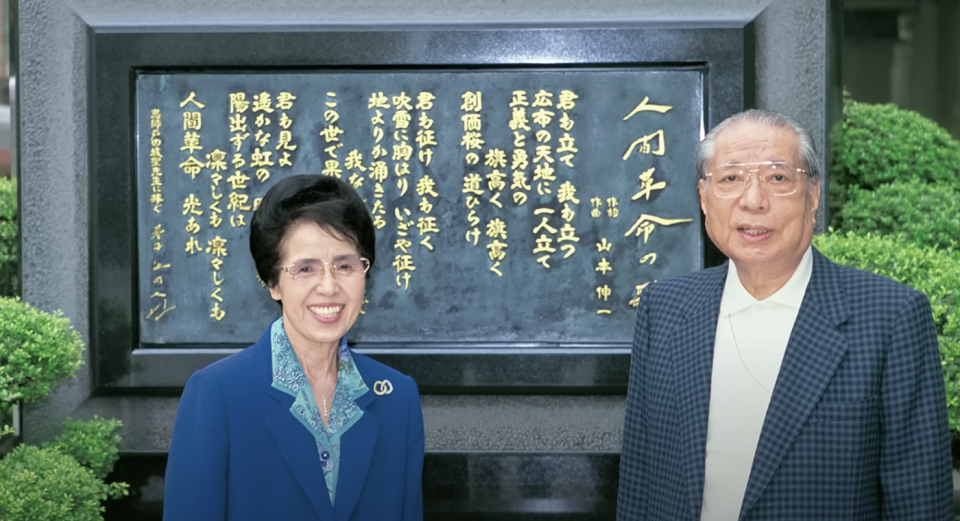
324, 455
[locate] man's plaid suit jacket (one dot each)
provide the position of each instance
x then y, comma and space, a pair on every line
857, 424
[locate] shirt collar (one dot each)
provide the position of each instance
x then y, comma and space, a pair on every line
736, 298
288, 375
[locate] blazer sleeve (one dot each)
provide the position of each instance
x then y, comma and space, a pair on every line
631, 497
413, 493
195, 487
915, 473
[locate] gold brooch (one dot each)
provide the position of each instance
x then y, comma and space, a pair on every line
382, 387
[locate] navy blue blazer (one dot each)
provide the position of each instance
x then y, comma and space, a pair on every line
857, 423
239, 454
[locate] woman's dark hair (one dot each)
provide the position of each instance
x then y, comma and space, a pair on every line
327, 201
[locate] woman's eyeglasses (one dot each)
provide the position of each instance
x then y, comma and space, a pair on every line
348, 268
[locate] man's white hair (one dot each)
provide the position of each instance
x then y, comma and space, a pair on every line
807, 150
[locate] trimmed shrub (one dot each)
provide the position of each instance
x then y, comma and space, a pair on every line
936, 273
9, 248
926, 214
883, 143
62, 480
37, 349
880, 144
44, 484
94, 443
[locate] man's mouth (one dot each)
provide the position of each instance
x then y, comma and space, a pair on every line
753, 232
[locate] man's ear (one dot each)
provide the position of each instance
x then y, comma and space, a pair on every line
703, 196
815, 196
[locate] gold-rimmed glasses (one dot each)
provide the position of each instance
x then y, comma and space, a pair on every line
345, 268
778, 178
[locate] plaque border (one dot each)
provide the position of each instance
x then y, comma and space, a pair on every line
724, 53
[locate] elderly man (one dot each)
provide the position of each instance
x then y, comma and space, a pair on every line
780, 386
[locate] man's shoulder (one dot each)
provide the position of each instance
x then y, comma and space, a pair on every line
681, 287
866, 286
855, 284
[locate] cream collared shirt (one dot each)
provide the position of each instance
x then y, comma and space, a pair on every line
752, 336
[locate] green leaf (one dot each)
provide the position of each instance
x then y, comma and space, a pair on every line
44, 484
37, 349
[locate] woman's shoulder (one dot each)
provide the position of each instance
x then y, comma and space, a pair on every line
241, 368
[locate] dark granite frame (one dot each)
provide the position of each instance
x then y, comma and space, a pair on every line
723, 52
553, 486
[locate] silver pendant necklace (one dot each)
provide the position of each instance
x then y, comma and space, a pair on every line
324, 410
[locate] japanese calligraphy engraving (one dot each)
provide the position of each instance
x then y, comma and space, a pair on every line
496, 195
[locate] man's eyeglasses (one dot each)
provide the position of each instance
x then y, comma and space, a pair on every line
778, 178
307, 272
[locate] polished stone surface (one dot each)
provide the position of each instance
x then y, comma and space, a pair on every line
452, 423
524, 423
462, 486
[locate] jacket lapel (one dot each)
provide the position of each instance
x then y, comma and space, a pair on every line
356, 450
294, 443
813, 353
299, 450
692, 346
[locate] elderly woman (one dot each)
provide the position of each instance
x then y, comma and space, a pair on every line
297, 426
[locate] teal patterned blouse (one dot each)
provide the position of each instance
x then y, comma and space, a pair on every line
288, 376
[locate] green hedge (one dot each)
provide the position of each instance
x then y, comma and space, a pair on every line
879, 144
93, 443
936, 273
926, 214
44, 484
37, 349
9, 278
62, 480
